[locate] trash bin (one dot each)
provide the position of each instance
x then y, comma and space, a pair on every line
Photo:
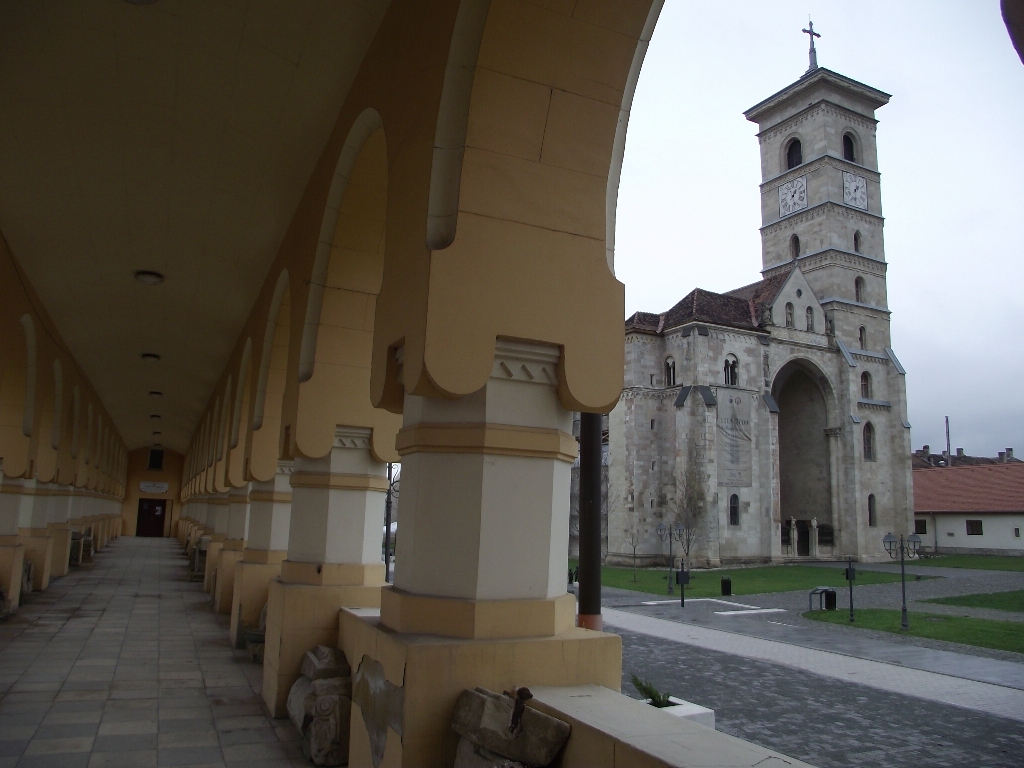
726, 587
830, 600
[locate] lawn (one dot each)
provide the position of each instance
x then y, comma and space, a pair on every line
1002, 601
745, 581
985, 633
981, 562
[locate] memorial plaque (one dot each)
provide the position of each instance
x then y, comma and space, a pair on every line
735, 442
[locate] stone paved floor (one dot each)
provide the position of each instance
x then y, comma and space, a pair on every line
123, 663
823, 721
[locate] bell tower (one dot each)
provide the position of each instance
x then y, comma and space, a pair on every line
820, 197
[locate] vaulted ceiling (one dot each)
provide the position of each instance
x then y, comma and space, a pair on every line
175, 136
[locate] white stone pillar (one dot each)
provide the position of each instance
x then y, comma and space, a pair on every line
10, 504
485, 485
238, 513
57, 522
59, 507
12, 551
270, 511
270, 506
335, 557
338, 504
481, 559
27, 508
220, 515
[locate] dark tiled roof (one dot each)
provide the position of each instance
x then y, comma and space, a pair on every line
644, 321
741, 308
987, 488
763, 293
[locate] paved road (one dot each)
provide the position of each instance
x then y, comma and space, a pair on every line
830, 694
824, 721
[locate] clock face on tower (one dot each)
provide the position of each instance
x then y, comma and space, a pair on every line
855, 190
793, 196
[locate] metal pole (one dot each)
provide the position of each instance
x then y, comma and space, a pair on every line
904, 623
387, 530
949, 450
849, 575
671, 560
590, 522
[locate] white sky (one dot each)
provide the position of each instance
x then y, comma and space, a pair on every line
951, 154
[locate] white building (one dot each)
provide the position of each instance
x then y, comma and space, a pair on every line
977, 510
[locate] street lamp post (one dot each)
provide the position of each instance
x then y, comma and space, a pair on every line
392, 492
665, 532
905, 549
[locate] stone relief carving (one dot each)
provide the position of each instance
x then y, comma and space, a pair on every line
381, 702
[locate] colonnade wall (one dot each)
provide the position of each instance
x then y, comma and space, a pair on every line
53, 426
62, 461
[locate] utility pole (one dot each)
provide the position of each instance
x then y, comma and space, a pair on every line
949, 452
590, 521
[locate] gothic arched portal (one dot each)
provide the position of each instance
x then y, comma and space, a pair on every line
804, 474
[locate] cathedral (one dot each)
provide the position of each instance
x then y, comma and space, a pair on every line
769, 423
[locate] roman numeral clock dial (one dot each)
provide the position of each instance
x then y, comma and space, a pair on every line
855, 190
793, 196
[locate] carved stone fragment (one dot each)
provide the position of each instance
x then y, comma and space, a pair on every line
321, 708
483, 718
381, 703
323, 662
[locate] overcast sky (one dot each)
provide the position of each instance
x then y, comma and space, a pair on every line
951, 155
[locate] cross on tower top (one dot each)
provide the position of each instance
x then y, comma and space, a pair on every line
812, 54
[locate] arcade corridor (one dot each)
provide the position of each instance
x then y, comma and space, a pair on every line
124, 663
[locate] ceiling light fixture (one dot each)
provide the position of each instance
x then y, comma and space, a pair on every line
154, 415
157, 433
155, 393
148, 277
158, 445
150, 356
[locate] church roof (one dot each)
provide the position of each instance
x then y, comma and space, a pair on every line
798, 89
995, 488
739, 308
762, 293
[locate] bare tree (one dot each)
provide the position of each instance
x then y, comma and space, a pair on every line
691, 503
635, 537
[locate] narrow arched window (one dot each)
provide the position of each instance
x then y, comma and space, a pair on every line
794, 154
865, 385
794, 247
856, 241
789, 315
731, 371
810, 319
670, 372
872, 513
863, 337
734, 510
858, 290
848, 150
869, 442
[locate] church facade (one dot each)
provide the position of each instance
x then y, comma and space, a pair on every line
769, 423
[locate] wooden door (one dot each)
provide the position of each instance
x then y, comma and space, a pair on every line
150, 521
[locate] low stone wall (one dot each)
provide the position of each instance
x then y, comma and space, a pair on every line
612, 730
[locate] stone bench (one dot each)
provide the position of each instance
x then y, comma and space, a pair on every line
611, 730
